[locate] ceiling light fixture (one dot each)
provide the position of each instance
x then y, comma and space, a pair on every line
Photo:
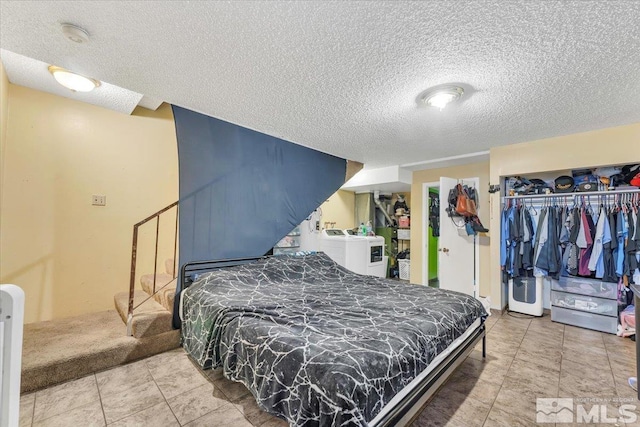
441, 96
74, 33
73, 81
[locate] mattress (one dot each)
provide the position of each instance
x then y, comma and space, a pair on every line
315, 343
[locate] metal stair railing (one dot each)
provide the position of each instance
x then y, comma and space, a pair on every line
134, 252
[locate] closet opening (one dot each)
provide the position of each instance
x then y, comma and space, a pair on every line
431, 231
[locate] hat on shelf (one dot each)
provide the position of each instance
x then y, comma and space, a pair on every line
629, 173
564, 184
607, 172
588, 186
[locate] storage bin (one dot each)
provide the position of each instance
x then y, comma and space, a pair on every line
404, 265
589, 304
404, 234
585, 286
584, 320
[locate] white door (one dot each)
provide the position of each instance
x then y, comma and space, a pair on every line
456, 257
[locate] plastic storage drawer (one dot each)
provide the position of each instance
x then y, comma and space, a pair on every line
584, 320
585, 303
584, 286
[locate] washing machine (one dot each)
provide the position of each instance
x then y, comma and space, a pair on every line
360, 254
376, 264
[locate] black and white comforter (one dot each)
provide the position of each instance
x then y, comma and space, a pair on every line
315, 343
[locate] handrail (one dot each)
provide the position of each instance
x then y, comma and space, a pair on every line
134, 254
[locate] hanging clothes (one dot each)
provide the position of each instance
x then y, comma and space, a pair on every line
578, 241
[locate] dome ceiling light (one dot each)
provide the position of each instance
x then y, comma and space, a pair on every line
73, 81
439, 97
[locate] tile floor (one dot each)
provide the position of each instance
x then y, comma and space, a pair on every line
527, 358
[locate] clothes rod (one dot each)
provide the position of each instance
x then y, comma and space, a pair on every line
579, 194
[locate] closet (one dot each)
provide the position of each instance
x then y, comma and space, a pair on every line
586, 243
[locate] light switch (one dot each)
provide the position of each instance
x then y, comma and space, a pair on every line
98, 200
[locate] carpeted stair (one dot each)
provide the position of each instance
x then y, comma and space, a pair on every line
64, 349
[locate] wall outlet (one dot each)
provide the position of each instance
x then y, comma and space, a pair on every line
98, 200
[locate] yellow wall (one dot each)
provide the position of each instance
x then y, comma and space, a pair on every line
480, 170
68, 256
611, 146
4, 111
340, 208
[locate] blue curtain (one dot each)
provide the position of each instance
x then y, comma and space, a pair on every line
241, 191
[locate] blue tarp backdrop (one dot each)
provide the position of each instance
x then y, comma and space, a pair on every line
241, 191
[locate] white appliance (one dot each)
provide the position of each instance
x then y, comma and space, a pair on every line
525, 295
360, 254
11, 323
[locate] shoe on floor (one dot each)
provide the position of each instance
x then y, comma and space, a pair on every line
633, 383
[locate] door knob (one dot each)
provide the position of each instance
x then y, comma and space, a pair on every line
445, 250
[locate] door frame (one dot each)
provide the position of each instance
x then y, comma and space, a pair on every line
425, 230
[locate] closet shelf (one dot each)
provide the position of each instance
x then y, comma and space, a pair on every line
574, 194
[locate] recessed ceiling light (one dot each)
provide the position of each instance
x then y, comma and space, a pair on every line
73, 81
441, 96
74, 33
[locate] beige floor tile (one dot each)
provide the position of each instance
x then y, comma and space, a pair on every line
489, 370
155, 416
525, 376
118, 380
27, 403
166, 363
275, 422
498, 418
519, 403
64, 397
551, 337
119, 405
492, 357
177, 382
226, 416
252, 412
506, 334
89, 415
621, 360
215, 374
576, 386
600, 373
466, 409
500, 346
232, 389
583, 336
197, 402
482, 391
431, 416
543, 356
586, 356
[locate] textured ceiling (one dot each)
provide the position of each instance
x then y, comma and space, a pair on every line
25, 71
343, 77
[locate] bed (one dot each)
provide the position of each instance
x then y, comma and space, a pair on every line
319, 345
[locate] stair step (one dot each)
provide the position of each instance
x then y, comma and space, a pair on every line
60, 350
166, 295
149, 319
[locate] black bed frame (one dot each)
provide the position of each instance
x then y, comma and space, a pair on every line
403, 413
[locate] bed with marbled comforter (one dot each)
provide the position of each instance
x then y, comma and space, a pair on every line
315, 343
